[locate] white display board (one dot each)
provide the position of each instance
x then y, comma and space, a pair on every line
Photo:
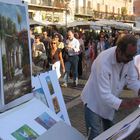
49, 83
15, 54
29, 121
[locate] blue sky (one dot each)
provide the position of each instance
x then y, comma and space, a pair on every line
11, 10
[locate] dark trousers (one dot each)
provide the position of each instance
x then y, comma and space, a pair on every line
72, 63
80, 69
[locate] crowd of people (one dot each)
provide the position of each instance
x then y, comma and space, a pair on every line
70, 55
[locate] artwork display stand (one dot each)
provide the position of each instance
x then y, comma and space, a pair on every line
40, 123
47, 89
53, 126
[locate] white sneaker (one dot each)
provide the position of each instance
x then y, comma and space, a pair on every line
64, 85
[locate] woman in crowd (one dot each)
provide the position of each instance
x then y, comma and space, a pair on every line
58, 38
39, 52
90, 55
101, 44
56, 58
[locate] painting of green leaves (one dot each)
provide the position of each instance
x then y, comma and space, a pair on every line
14, 45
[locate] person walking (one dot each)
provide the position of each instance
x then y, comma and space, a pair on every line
111, 71
55, 58
73, 48
78, 36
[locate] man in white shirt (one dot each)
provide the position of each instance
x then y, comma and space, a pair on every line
73, 48
111, 71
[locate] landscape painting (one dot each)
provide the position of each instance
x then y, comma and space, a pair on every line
15, 54
45, 120
50, 86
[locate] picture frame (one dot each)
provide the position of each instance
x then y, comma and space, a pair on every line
15, 54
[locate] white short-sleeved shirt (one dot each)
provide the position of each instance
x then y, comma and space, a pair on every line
106, 82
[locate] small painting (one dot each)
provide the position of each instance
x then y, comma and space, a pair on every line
56, 105
45, 120
39, 93
25, 133
50, 86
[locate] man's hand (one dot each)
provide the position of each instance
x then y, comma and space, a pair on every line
126, 104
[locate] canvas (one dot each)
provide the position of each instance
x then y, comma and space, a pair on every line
14, 52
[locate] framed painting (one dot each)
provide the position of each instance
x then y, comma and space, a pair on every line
15, 53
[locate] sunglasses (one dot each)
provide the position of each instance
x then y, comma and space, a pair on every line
53, 43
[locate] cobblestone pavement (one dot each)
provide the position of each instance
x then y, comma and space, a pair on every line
76, 110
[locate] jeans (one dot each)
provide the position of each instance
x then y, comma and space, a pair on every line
73, 61
95, 124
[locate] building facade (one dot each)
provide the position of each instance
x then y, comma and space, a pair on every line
64, 11
137, 12
105, 9
60, 11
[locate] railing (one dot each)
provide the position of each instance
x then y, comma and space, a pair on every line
105, 15
47, 3
82, 10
